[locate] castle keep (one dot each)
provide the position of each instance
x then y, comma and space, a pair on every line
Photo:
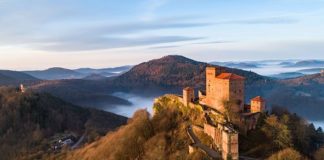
221, 87
225, 93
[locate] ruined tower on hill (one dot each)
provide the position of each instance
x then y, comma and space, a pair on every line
188, 95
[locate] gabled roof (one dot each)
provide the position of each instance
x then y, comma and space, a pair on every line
230, 76
188, 89
258, 98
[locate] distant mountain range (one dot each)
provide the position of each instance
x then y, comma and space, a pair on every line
311, 70
104, 70
95, 76
170, 74
14, 77
241, 65
286, 75
306, 63
57, 73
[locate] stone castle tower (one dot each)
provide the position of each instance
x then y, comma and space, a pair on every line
188, 95
257, 104
221, 87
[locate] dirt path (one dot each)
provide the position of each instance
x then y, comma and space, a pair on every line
77, 144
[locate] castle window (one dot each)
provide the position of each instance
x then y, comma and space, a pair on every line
238, 102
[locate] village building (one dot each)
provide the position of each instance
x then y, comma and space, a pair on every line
225, 92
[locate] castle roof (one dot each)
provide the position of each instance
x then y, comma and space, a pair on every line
258, 98
230, 76
188, 89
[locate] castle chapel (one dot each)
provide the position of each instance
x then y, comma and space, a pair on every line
225, 91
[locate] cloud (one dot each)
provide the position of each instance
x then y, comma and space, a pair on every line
213, 42
92, 36
150, 8
264, 20
163, 47
142, 26
49, 25
96, 43
115, 36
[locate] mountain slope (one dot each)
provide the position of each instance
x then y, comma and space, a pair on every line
166, 75
171, 73
94, 76
28, 122
305, 80
308, 63
103, 70
173, 70
241, 65
302, 95
88, 93
55, 73
8, 77
161, 137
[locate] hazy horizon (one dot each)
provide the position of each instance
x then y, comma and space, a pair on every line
109, 66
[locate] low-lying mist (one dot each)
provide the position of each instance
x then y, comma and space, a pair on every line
138, 102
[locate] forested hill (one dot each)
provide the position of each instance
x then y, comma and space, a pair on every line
176, 71
164, 136
28, 121
8, 77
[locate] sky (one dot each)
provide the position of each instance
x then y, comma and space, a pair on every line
39, 34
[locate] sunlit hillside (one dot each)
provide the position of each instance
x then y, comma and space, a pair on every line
164, 136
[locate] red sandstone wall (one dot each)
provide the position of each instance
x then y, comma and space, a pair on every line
237, 93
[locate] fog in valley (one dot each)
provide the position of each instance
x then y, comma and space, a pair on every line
138, 102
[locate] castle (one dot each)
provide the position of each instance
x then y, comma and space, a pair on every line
225, 93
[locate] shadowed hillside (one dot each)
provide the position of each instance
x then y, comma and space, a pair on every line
161, 137
8, 77
89, 93
303, 95
28, 122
